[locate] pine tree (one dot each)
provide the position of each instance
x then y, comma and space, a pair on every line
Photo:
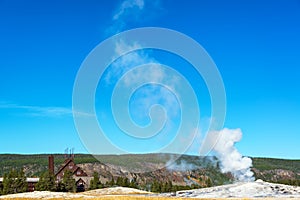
112, 182
119, 181
163, 187
133, 183
21, 184
46, 182
95, 182
68, 182
169, 186
1, 189
60, 187
156, 186
7, 183
125, 182
209, 182
14, 182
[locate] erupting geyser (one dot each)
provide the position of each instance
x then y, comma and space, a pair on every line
230, 159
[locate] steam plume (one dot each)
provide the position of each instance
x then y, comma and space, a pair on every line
231, 160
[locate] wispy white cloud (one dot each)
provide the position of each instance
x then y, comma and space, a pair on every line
129, 7
39, 111
128, 10
124, 63
130, 68
133, 11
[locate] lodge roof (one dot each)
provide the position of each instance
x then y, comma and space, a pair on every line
66, 164
28, 180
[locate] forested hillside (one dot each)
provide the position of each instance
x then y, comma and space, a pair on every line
187, 169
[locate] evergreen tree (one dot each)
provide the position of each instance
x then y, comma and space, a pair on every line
156, 186
95, 182
163, 187
68, 182
20, 182
1, 189
46, 182
119, 181
209, 182
169, 186
112, 182
125, 182
7, 183
133, 183
60, 187
14, 182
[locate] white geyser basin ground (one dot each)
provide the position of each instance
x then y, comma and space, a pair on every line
254, 189
84, 195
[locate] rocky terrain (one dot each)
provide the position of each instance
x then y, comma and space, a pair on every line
276, 174
197, 176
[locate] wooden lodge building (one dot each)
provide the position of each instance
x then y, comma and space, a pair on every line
81, 178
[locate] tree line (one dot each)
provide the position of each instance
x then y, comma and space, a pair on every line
48, 182
13, 182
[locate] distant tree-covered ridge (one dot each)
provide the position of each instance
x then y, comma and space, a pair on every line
36, 164
268, 169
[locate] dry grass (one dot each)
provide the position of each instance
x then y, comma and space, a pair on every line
124, 197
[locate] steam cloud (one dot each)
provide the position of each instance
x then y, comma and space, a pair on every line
175, 164
231, 160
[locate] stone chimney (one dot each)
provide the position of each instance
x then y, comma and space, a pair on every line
51, 164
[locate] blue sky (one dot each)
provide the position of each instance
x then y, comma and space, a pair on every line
255, 45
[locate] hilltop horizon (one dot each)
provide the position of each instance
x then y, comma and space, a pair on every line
126, 154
